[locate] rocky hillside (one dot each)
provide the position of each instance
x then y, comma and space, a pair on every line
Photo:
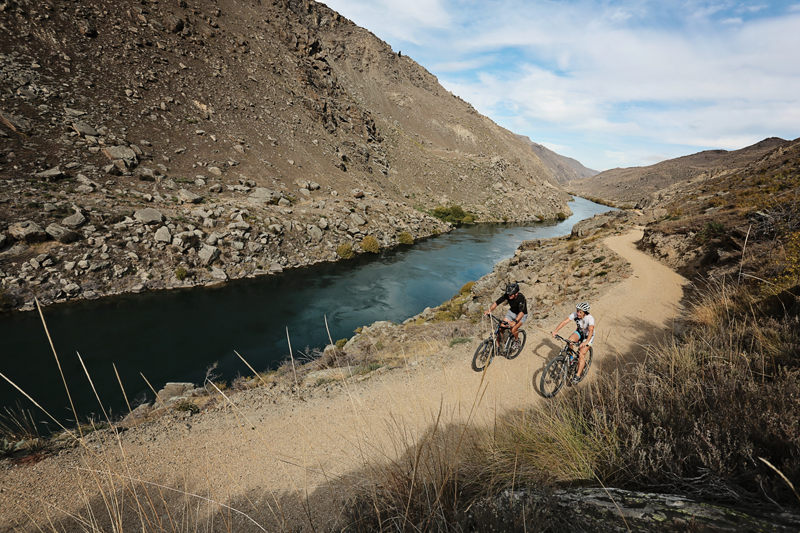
147, 145
640, 185
563, 169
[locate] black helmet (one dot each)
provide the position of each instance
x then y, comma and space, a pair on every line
512, 288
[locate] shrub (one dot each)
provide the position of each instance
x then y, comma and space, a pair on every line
459, 340
181, 273
599, 259
340, 343
467, 287
370, 244
186, 406
454, 214
405, 238
561, 216
711, 230
345, 251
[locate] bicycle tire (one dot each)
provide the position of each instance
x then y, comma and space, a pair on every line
588, 359
511, 354
553, 377
483, 356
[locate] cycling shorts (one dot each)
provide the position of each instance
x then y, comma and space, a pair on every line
513, 316
581, 337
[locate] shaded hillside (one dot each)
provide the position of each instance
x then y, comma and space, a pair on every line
564, 169
262, 136
637, 185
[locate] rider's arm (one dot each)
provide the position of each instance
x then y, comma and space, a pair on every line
558, 327
491, 308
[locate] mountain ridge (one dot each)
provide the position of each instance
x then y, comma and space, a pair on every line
640, 185
564, 169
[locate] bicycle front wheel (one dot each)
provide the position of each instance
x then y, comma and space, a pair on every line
588, 358
483, 356
554, 377
512, 353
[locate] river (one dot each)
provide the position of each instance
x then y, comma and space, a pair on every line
175, 335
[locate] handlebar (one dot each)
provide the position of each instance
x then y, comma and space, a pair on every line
559, 337
498, 320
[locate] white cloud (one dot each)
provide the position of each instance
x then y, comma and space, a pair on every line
389, 20
674, 74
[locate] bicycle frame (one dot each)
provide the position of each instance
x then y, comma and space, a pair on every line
569, 350
497, 334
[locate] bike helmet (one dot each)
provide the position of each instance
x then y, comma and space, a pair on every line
583, 306
512, 288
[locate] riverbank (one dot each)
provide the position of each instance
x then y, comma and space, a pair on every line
91, 255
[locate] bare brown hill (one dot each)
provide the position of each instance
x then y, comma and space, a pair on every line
262, 135
638, 185
564, 169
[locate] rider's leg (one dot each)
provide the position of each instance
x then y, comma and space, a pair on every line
581, 360
517, 325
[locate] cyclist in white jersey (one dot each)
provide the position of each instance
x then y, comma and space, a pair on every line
584, 333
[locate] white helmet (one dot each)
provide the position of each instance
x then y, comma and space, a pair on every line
583, 306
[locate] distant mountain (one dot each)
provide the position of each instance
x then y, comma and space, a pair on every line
564, 169
637, 185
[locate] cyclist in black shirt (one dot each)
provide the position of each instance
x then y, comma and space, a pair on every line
518, 312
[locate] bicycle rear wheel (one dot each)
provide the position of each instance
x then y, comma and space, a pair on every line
513, 353
483, 355
588, 358
553, 377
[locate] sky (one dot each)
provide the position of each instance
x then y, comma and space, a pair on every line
609, 83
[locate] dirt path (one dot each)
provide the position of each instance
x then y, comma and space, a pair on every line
262, 457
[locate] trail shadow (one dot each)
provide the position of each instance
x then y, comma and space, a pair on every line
608, 358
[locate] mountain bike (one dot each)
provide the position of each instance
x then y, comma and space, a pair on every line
499, 343
563, 367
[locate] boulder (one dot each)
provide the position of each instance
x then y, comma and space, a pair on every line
122, 153
314, 232
586, 227
148, 216
74, 221
173, 24
163, 235
50, 174
62, 234
208, 254
188, 197
84, 129
263, 195
357, 219
27, 231
173, 390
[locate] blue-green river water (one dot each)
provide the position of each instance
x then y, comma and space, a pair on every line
176, 335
